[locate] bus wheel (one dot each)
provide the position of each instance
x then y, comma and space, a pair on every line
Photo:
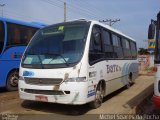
12, 81
99, 94
128, 85
130, 79
130, 82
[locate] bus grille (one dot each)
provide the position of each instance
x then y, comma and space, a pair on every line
43, 81
45, 92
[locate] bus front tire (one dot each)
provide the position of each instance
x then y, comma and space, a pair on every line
99, 94
12, 81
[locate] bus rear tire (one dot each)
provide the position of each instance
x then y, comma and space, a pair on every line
130, 81
128, 85
99, 94
12, 81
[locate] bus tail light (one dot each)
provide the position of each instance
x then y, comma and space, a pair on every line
76, 79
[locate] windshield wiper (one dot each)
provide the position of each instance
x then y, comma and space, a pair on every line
39, 60
57, 54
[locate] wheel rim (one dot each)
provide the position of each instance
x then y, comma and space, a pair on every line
130, 80
14, 80
99, 95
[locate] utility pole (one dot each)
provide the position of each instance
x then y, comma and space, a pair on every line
65, 11
109, 21
2, 5
145, 44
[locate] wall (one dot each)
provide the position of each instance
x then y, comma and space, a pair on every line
145, 61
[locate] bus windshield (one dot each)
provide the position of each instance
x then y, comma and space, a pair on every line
57, 45
1, 36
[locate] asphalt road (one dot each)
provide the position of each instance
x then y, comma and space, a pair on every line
123, 101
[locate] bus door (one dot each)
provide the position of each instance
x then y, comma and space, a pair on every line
96, 59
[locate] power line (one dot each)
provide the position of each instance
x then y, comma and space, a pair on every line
109, 21
86, 11
13, 13
87, 14
71, 9
49, 2
94, 8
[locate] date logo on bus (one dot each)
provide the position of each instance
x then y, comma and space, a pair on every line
28, 73
113, 68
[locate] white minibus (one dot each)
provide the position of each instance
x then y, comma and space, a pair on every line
77, 62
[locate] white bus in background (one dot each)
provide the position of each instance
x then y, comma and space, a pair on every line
77, 62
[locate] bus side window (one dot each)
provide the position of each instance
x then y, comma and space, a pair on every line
95, 50
126, 48
13, 34
30, 34
1, 36
108, 48
133, 49
16, 35
19, 34
116, 40
26, 34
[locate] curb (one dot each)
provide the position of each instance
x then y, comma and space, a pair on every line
144, 96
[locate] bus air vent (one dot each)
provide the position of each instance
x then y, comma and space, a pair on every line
44, 92
43, 81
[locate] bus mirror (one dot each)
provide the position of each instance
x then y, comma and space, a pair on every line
151, 31
97, 38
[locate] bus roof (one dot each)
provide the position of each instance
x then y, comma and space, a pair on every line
30, 24
103, 25
112, 29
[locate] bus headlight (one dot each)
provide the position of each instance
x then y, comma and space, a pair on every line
76, 79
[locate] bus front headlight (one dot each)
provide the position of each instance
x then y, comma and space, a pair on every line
76, 79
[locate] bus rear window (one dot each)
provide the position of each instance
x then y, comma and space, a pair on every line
1, 36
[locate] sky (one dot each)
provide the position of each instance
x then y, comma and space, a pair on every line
134, 15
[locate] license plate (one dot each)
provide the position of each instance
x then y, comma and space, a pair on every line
41, 98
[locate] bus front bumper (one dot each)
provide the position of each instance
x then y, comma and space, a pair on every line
62, 99
47, 94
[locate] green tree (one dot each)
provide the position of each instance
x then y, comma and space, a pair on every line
143, 51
